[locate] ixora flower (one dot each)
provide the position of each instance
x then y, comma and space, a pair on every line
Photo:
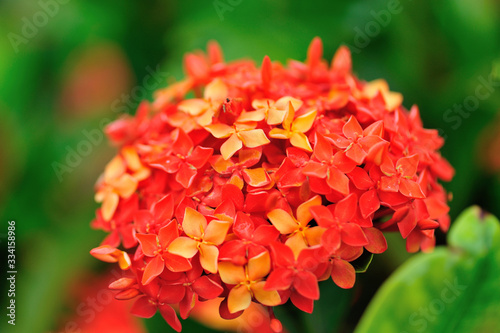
253, 184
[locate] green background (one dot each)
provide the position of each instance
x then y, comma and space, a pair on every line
66, 77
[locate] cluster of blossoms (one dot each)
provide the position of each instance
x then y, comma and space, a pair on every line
253, 184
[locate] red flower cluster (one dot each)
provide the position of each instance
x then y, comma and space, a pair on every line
254, 184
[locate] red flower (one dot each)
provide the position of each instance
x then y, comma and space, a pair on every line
155, 247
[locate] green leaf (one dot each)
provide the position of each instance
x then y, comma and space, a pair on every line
453, 289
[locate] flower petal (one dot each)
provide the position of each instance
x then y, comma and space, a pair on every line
184, 247
208, 257
193, 107
194, 223
300, 140
343, 274
259, 266
216, 231
257, 177
154, 268
143, 308
253, 138
278, 133
231, 146
283, 221
376, 240
216, 90
231, 273
303, 213
352, 129
265, 297
207, 288
306, 284
280, 279
239, 298
410, 189
109, 205
304, 123
220, 130
149, 244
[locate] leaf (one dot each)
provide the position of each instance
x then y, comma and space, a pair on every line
454, 289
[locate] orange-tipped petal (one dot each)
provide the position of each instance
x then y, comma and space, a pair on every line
132, 158
125, 185
257, 177
304, 123
184, 247
231, 273
290, 116
282, 221
208, 257
127, 294
266, 297
259, 266
252, 116
314, 234
216, 232
300, 140
216, 90
194, 223
275, 116
284, 102
114, 169
253, 138
124, 260
239, 299
108, 253
278, 133
109, 205
231, 146
303, 213
296, 243
220, 130
193, 107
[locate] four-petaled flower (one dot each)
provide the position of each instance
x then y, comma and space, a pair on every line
248, 282
202, 237
155, 247
294, 129
240, 134
301, 235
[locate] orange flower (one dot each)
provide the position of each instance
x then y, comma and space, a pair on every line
108, 253
275, 112
118, 183
294, 128
248, 282
202, 237
203, 109
242, 133
300, 234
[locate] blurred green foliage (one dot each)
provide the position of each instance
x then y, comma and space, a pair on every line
62, 79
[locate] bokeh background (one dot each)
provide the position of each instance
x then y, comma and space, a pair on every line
67, 67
